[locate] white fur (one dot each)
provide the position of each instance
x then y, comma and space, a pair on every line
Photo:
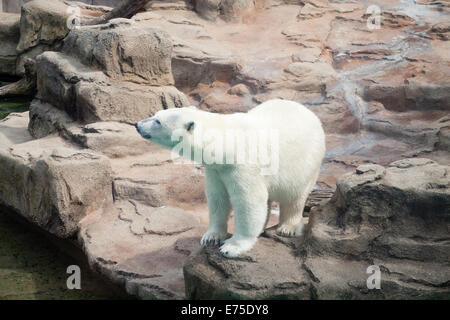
242, 187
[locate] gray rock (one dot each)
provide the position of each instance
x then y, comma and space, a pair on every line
142, 248
113, 139
225, 9
196, 57
42, 21
208, 9
268, 271
124, 51
9, 37
53, 184
13, 130
43, 24
396, 218
46, 119
126, 102
414, 95
14, 6
155, 179
138, 242
128, 87
307, 76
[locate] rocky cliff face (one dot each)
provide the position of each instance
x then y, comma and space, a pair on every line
75, 166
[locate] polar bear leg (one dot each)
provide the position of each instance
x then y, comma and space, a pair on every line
219, 208
291, 212
291, 215
248, 196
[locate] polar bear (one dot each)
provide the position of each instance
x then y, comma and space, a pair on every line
240, 185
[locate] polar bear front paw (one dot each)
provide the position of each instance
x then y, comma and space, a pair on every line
235, 247
287, 230
212, 238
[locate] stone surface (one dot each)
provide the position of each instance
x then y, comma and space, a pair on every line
229, 10
46, 119
155, 179
384, 216
52, 183
9, 37
270, 270
43, 24
89, 85
382, 96
113, 139
42, 21
142, 248
39, 26
396, 218
14, 6
13, 130
134, 200
311, 76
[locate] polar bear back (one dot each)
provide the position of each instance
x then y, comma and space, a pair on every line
301, 144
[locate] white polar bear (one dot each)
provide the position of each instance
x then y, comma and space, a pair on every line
240, 185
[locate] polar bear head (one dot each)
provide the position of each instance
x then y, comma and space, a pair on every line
167, 127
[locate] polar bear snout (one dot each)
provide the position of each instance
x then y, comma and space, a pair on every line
143, 128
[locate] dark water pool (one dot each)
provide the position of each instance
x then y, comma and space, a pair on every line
13, 104
32, 266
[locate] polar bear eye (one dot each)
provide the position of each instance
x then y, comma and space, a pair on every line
157, 122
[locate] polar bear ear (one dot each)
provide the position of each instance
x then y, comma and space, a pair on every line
190, 126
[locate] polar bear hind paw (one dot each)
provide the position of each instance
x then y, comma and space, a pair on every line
211, 238
287, 230
233, 248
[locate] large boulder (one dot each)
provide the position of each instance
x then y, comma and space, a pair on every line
142, 248
395, 219
14, 6
229, 10
268, 271
113, 139
43, 26
9, 37
42, 21
307, 76
156, 178
13, 130
91, 84
124, 51
137, 215
196, 57
49, 181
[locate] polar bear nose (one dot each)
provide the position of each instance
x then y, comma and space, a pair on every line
136, 125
